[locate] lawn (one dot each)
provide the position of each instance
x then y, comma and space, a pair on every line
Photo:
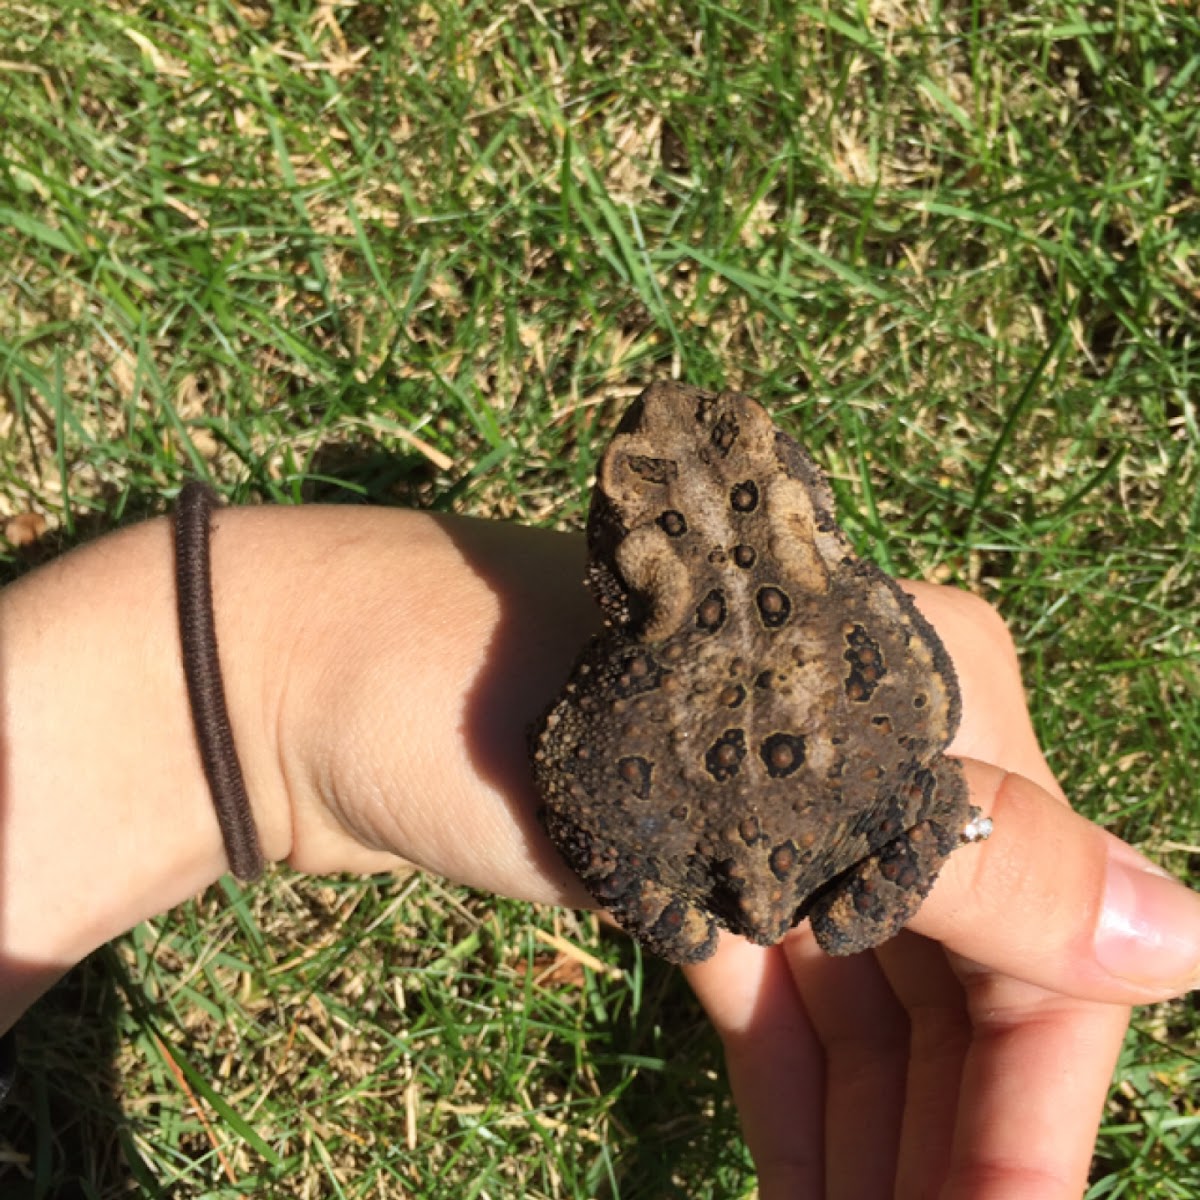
422, 254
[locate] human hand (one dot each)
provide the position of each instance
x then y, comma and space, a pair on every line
971, 1055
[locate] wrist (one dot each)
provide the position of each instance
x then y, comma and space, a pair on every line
434, 643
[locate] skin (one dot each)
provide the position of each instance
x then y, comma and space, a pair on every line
381, 668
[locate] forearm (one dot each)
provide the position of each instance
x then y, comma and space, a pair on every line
379, 666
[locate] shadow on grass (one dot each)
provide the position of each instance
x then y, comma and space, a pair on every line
63, 1131
684, 1139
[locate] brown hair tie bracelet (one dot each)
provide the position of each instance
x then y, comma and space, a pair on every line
206, 691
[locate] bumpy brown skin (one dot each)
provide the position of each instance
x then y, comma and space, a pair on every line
757, 736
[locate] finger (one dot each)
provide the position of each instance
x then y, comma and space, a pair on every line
1006, 1081
924, 982
1054, 900
1033, 1092
775, 1064
864, 1034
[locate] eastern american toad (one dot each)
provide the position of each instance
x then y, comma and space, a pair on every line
757, 735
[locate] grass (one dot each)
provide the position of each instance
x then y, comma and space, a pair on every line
420, 254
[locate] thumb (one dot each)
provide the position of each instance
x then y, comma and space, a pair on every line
1055, 900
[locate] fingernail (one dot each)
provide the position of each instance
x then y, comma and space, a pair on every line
1149, 928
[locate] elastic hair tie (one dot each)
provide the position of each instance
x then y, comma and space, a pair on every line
206, 691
